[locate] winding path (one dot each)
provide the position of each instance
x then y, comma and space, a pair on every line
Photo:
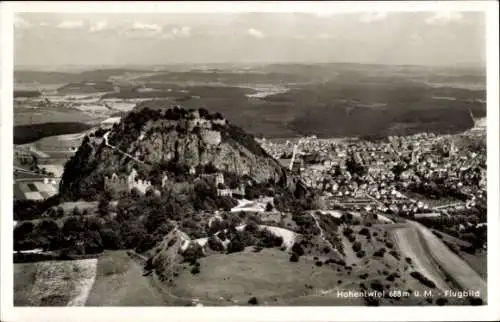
321, 233
106, 142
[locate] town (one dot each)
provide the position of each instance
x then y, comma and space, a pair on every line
418, 176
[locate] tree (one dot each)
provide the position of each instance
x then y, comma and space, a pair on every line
93, 242
195, 270
72, 226
226, 203
377, 286
215, 244
111, 239
235, 246
103, 207
132, 232
23, 231
49, 234
76, 212
253, 301
361, 254
146, 243
192, 253
60, 212
154, 219
269, 207
251, 227
441, 301
52, 213
364, 231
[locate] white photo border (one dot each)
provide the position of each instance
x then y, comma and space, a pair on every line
11, 313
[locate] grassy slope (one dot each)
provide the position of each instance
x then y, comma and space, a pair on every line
477, 261
268, 275
410, 245
24, 278
119, 282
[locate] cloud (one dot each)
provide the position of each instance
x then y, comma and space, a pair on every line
70, 24
142, 30
175, 33
146, 27
181, 32
21, 23
373, 17
444, 17
98, 26
256, 33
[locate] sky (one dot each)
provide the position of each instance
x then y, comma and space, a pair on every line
414, 38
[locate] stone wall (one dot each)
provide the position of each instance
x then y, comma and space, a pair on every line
224, 192
141, 186
211, 137
115, 184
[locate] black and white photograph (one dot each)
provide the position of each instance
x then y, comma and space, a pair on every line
250, 158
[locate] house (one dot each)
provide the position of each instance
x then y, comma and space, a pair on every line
116, 184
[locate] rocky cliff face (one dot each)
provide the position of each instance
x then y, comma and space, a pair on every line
151, 140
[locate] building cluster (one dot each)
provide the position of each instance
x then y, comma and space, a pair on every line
389, 169
223, 190
116, 184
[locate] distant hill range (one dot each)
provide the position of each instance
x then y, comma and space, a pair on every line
327, 100
53, 77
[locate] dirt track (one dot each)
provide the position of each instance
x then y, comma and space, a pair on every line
408, 240
456, 267
431, 256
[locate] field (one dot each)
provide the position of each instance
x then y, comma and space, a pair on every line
268, 275
26, 115
53, 283
62, 143
29, 133
113, 279
119, 282
34, 190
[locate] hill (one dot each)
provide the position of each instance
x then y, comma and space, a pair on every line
169, 141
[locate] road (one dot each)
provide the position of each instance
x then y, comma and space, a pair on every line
17, 169
435, 260
36, 179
